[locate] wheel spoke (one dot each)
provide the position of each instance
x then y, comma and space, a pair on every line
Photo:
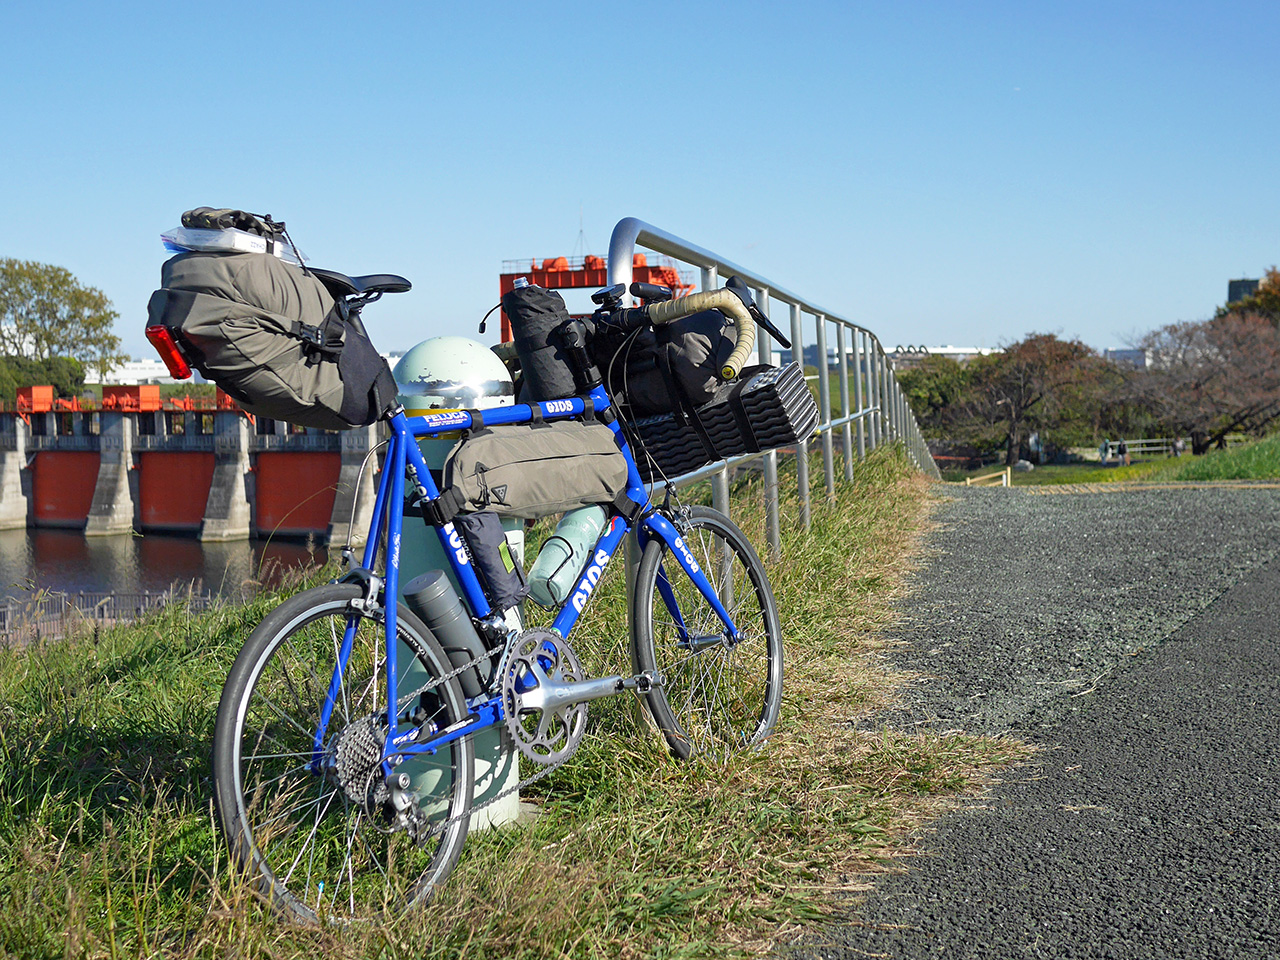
716, 697
319, 852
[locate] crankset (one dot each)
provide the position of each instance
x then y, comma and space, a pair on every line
544, 695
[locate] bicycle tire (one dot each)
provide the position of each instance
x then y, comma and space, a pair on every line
313, 852
716, 697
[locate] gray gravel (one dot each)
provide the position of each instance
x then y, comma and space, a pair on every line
1132, 636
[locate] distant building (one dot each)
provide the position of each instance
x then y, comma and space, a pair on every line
131, 373
1239, 289
906, 357
1137, 359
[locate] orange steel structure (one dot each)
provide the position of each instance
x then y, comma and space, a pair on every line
128, 399
62, 485
562, 273
296, 491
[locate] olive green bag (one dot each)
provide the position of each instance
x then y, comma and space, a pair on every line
273, 338
534, 470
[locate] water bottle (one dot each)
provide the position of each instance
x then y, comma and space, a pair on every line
431, 597
564, 555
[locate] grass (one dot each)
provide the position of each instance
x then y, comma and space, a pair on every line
108, 849
1254, 461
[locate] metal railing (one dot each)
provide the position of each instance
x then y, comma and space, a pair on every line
57, 614
872, 413
184, 442
295, 441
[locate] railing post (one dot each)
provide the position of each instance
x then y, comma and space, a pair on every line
802, 448
859, 353
720, 479
824, 407
873, 391
846, 431
764, 351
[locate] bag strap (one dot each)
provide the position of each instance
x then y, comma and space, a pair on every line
739, 411
438, 512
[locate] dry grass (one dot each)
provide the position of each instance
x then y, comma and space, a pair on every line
109, 848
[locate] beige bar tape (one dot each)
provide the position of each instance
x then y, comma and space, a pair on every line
727, 303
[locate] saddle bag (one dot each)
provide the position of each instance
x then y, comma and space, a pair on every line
532, 471
273, 338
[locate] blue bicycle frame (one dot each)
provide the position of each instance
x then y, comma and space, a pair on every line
405, 459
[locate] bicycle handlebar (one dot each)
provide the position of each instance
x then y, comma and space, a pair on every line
729, 304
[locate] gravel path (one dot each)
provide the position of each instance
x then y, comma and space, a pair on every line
1132, 636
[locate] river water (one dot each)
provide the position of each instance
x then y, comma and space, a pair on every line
66, 560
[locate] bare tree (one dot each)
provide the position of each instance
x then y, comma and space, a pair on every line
1032, 384
1214, 377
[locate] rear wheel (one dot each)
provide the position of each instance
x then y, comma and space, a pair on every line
718, 694
317, 826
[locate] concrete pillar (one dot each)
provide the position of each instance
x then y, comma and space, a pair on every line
113, 497
14, 499
227, 513
356, 445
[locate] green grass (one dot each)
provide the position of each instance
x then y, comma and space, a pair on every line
108, 849
1253, 461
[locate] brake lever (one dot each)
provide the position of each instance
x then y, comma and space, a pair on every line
744, 294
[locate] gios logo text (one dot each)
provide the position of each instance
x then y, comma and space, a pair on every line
455, 544
684, 551
589, 580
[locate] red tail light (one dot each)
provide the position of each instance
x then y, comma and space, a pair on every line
169, 351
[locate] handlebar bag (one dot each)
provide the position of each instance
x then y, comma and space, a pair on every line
274, 339
531, 471
677, 364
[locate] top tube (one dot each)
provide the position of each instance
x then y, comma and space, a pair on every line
434, 424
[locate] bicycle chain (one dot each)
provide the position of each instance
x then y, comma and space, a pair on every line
543, 771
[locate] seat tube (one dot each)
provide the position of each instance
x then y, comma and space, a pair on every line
395, 520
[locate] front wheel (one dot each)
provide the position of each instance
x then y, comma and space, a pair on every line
315, 824
719, 694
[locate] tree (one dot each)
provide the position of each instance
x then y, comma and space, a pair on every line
932, 387
46, 313
1265, 302
1215, 377
64, 374
1039, 383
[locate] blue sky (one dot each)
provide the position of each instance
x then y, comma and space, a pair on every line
943, 173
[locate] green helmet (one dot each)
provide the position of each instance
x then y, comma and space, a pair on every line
452, 373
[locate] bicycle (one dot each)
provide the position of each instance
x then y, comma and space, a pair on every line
343, 757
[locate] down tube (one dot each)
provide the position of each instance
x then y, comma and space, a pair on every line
600, 556
656, 524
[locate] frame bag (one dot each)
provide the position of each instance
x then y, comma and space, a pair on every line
273, 338
532, 471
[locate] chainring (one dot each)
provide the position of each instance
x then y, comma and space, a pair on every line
539, 660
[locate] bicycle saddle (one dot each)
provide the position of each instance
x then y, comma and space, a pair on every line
340, 285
